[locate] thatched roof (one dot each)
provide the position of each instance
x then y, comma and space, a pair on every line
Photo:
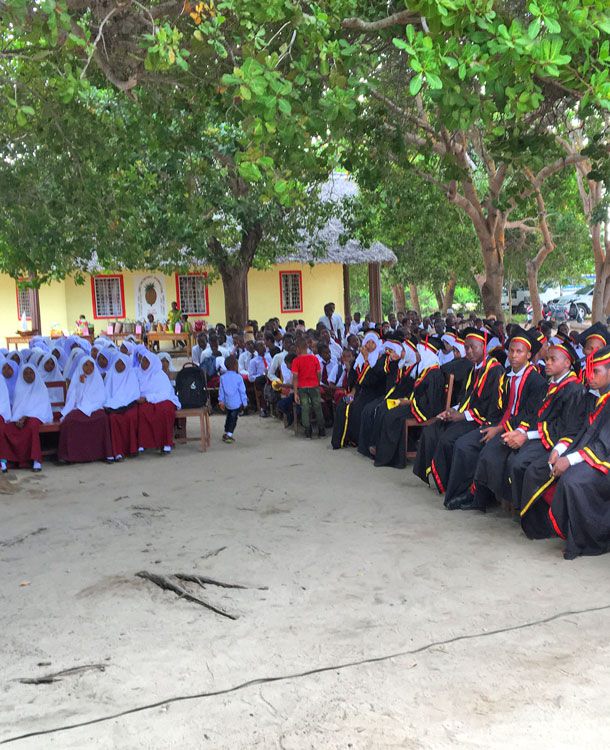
338, 187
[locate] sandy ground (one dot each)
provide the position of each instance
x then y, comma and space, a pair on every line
360, 563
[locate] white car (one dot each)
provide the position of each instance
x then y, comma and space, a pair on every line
576, 306
520, 296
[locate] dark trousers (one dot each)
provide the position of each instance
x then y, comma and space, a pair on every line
310, 400
231, 420
259, 387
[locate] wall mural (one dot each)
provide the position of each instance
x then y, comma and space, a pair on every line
150, 297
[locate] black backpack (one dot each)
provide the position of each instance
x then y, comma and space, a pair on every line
191, 387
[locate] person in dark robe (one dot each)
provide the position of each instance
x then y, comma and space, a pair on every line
460, 367
370, 384
156, 406
397, 384
84, 433
480, 459
480, 401
579, 511
557, 422
425, 401
31, 408
593, 338
121, 404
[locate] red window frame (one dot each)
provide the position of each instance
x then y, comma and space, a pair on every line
17, 301
291, 273
118, 276
206, 291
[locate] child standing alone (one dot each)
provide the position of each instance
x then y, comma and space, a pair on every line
306, 386
231, 397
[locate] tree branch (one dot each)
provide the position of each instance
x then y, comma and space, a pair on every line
397, 19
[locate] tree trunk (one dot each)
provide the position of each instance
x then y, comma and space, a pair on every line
414, 295
449, 294
491, 288
400, 300
601, 290
532, 283
235, 285
438, 295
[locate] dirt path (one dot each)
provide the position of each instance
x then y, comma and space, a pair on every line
360, 563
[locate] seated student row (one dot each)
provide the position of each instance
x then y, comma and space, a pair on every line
117, 405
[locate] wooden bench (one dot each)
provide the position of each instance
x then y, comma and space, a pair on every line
204, 437
205, 431
412, 422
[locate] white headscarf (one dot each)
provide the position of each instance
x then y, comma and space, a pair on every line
31, 399
428, 358
12, 381
5, 400
88, 396
459, 345
168, 358
393, 346
109, 353
155, 386
74, 358
374, 355
55, 374
409, 355
122, 388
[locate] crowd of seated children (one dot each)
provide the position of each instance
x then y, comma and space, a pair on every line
119, 401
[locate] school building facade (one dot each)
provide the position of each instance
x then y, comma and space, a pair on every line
287, 291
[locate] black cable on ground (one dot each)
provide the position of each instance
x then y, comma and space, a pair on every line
307, 673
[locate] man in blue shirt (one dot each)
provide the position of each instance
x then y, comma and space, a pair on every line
231, 397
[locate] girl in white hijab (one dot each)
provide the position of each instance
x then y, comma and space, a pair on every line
121, 404
75, 356
50, 372
372, 346
10, 371
84, 433
5, 416
31, 408
158, 404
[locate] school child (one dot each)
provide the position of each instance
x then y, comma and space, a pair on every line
306, 388
231, 397
157, 405
257, 373
122, 392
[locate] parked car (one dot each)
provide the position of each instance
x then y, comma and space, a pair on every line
520, 296
575, 306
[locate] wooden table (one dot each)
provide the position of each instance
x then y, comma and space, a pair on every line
25, 340
155, 336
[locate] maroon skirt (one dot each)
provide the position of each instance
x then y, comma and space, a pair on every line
21, 446
124, 432
156, 424
83, 439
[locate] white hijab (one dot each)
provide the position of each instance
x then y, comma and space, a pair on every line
88, 396
409, 357
155, 386
122, 388
31, 399
55, 374
374, 355
75, 356
166, 356
5, 401
428, 358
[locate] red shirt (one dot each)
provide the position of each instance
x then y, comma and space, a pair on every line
306, 367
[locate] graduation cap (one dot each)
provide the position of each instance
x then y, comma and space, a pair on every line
598, 333
431, 342
570, 353
601, 356
533, 340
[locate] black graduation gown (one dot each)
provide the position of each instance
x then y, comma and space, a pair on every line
579, 509
398, 384
491, 474
480, 400
426, 402
460, 369
370, 386
560, 418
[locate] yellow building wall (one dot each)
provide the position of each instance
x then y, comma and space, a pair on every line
319, 284
62, 302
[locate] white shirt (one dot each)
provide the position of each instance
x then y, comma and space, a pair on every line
337, 326
199, 354
243, 362
355, 328
274, 367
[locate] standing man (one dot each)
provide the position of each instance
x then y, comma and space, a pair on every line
333, 322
